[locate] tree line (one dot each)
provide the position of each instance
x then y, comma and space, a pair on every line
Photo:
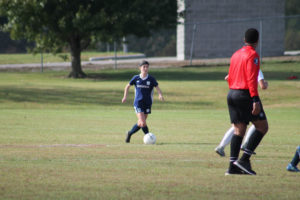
75, 24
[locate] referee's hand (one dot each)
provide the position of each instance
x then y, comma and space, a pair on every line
256, 108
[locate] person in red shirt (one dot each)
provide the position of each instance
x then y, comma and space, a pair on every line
244, 103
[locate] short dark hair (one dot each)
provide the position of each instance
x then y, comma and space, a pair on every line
251, 35
144, 62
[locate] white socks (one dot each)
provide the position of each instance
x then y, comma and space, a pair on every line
228, 135
227, 138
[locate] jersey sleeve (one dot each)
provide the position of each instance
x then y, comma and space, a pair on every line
133, 80
252, 69
155, 82
260, 76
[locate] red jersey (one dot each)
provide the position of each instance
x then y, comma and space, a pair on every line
243, 70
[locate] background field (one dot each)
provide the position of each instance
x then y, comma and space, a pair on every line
62, 138
24, 58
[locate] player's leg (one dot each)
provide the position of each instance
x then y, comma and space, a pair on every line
240, 114
133, 130
225, 141
261, 127
242, 164
250, 131
142, 122
143, 117
260, 123
135, 127
292, 166
237, 102
236, 141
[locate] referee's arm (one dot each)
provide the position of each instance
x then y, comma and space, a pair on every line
252, 74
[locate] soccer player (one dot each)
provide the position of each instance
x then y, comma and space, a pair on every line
228, 135
244, 104
144, 84
292, 166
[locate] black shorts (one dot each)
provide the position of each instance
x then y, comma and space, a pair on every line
240, 106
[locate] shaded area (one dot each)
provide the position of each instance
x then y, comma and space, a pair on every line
159, 75
281, 75
60, 96
13, 46
189, 74
111, 96
74, 96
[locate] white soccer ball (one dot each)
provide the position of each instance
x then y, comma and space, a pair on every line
149, 138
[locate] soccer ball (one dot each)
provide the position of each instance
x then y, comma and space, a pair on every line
149, 138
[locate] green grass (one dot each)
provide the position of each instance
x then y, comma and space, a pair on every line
64, 139
48, 57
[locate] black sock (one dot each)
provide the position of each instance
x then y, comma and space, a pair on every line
295, 160
253, 142
235, 145
134, 129
145, 129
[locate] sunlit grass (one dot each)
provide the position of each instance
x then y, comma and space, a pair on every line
63, 138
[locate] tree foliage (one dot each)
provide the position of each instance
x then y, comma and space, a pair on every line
54, 24
292, 7
292, 36
160, 43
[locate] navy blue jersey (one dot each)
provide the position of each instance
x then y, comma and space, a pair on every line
143, 90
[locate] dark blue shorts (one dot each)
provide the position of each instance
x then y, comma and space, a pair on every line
144, 109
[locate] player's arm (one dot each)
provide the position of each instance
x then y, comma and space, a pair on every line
126, 92
252, 74
256, 108
226, 77
160, 96
261, 81
263, 84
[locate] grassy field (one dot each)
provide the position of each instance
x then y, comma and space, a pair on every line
48, 57
64, 139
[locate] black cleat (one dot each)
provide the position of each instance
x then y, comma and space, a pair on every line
245, 166
127, 140
234, 170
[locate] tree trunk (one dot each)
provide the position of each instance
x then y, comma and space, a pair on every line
75, 59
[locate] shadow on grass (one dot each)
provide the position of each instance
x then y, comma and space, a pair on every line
73, 96
61, 96
282, 75
181, 75
159, 75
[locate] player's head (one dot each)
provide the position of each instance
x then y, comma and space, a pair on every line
144, 62
144, 66
251, 36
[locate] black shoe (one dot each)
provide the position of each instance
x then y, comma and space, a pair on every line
244, 149
234, 170
245, 166
127, 140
